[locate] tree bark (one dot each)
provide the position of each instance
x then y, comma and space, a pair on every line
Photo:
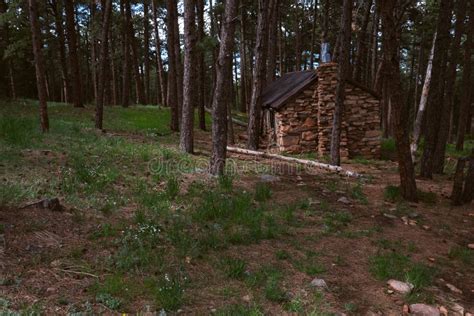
243, 59
258, 77
361, 52
466, 94
39, 64
161, 94
391, 42
423, 101
435, 103
58, 20
468, 192
99, 114
272, 34
201, 93
457, 193
126, 73
172, 71
343, 74
443, 132
313, 34
220, 101
73, 55
135, 58
146, 53
186, 142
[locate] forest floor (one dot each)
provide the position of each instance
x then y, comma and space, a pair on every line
145, 229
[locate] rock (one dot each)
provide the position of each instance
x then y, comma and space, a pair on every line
319, 283
344, 200
400, 287
470, 246
269, 178
426, 227
453, 288
423, 310
246, 298
405, 310
443, 310
391, 216
314, 202
405, 220
457, 309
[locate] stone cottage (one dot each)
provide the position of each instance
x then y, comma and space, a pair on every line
299, 109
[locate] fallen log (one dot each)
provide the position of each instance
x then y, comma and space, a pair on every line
234, 120
312, 163
49, 204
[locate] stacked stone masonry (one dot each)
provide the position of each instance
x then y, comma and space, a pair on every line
304, 123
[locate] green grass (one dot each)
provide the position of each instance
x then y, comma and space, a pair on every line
387, 149
233, 268
263, 192
392, 194
463, 254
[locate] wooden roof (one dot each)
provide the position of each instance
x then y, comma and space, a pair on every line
277, 93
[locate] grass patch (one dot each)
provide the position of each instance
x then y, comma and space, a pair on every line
233, 268
263, 192
465, 255
335, 222
388, 149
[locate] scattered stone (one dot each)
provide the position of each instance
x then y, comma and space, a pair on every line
426, 227
423, 310
412, 222
300, 184
470, 246
391, 216
393, 209
443, 310
269, 178
319, 283
400, 286
51, 290
314, 202
390, 291
413, 215
432, 259
405, 220
246, 298
405, 310
453, 288
458, 309
468, 314
344, 200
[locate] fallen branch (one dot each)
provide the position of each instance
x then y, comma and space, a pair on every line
78, 272
234, 120
50, 204
305, 162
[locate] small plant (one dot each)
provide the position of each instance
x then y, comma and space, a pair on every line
465, 255
282, 255
336, 222
388, 149
108, 300
240, 310
273, 291
389, 265
225, 182
392, 193
262, 192
295, 306
168, 291
234, 268
358, 194
172, 188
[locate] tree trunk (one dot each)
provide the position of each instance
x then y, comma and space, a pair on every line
93, 47
313, 34
457, 194
172, 71
135, 58
126, 73
361, 52
39, 64
107, 10
391, 43
201, 65
73, 55
161, 99
146, 53
186, 139
466, 94
468, 192
258, 77
435, 97
243, 59
272, 34
343, 74
58, 20
298, 35
422, 107
443, 132
220, 101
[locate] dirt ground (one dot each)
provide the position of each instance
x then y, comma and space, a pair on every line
38, 249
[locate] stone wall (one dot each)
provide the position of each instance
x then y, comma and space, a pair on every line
304, 123
360, 135
296, 123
